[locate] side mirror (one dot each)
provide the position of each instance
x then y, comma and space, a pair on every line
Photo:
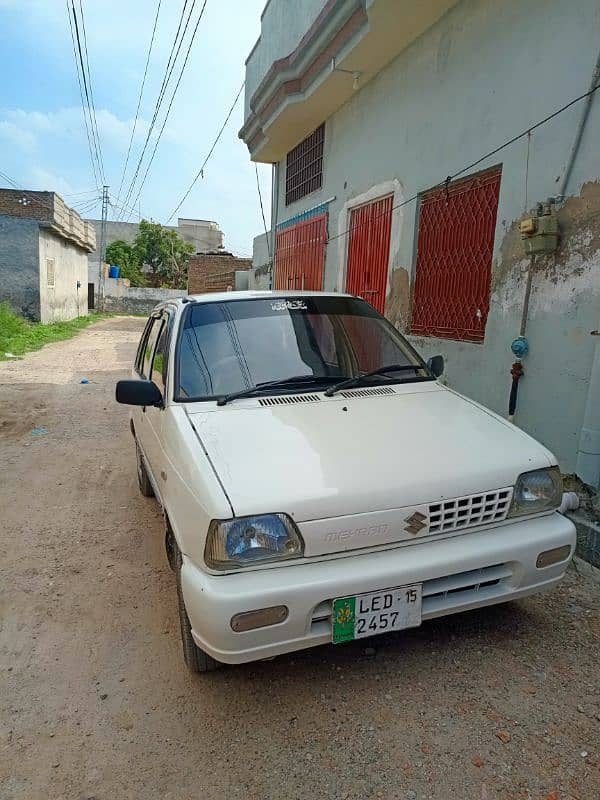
139, 393
435, 365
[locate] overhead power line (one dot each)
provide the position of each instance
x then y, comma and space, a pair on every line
137, 111
90, 84
475, 163
173, 55
210, 152
187, 55
25, 193
262, 211
83, 106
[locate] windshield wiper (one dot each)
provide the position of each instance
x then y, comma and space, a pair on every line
250, 390
379, 371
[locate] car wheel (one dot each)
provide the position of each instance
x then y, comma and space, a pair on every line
143, 479
196, 659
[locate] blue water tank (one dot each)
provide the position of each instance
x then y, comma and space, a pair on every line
113, 272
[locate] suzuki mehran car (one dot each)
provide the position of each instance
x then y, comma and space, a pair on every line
319, 484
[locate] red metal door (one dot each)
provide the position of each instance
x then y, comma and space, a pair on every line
300, 260
454, 258
369, 251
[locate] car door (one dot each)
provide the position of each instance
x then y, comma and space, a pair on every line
154, 418
143, 370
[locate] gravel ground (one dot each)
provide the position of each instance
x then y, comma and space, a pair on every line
95, 700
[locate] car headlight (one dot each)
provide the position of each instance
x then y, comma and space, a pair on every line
244, 541
537, 491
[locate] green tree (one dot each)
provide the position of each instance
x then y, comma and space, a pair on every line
164, 253
122, 254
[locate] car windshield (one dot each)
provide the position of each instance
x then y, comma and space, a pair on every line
227, 347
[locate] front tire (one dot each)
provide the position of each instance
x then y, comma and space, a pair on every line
142, 474
197, 660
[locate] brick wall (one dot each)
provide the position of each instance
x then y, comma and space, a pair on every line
26, 204
214, 272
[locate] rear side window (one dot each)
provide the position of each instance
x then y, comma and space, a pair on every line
144, 359
159, 363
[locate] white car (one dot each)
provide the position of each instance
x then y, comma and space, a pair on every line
320, 485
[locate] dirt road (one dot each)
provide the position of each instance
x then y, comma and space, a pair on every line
95, 700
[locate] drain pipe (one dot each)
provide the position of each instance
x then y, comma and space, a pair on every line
587, 465
580, 128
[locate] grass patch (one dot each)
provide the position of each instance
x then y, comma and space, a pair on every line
18, 336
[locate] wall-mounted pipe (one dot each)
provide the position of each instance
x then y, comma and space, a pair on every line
580, 128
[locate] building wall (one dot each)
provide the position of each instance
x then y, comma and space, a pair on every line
19, 265
214, 272
120, 298
472, 81
64, 300
282, 29
205, 235
260, 275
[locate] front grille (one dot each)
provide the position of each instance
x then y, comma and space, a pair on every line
465, 512
289, 400
379, 390
441, 594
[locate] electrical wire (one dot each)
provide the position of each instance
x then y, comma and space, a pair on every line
89, 75
210, 152
475, 163
93, 126
87, 130
187, 55
139, 103
24, 193
262, 211
168, 72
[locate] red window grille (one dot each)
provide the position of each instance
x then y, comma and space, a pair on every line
300, 255
369, 251
304, 167
454, 258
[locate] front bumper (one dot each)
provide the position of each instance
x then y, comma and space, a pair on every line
459, 573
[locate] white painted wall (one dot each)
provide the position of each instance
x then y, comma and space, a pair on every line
62, 301
485, 72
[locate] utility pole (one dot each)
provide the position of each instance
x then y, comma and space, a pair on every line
102, 248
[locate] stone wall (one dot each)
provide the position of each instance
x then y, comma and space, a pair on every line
19, 265
120, 298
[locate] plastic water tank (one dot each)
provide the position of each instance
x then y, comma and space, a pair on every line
113, 272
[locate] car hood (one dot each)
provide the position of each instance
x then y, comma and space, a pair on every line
331, 457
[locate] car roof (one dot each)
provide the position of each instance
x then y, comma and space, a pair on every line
227, 297
223, 297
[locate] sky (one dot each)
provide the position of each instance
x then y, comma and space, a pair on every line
43, 144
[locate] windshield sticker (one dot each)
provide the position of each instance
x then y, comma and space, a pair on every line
288, 305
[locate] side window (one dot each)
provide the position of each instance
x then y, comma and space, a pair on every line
159, 364
139, 357
149, 347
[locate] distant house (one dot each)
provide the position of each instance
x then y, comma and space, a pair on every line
216, 272
205, 235
44, 246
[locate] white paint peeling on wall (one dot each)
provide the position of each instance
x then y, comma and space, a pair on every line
578, 277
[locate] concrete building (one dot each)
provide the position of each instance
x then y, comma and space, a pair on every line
217, 272
261, 273
364, 107
44, 246
204, 234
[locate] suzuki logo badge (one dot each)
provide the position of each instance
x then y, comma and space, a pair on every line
416, 523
